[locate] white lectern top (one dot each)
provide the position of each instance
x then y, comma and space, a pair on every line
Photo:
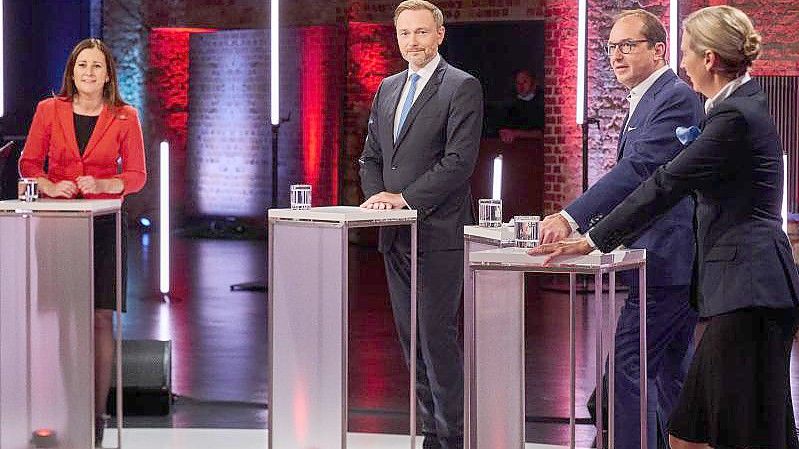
518, 257
56, 205
499, 236
343, 214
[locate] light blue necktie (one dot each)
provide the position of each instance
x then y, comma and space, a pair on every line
406, 107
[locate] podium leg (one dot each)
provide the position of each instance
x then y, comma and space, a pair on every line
15, 400
572, 358
498, 359
469, 367
308, 336
642, 348
61, 332
612, 360
600, 329
118, 316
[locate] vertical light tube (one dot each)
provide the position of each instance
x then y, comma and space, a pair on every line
496, 191
274, 41
785, 193
163, 230
674, 9
581, 44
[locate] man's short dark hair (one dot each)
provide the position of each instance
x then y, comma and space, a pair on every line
652, 29
528, 72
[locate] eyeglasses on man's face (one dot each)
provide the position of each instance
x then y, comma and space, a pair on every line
625, 47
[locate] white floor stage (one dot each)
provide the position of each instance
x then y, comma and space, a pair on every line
136, 438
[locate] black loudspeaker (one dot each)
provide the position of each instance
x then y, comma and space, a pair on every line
146, 378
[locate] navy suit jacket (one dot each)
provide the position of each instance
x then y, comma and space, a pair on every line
735, 171
649, 142
433, 157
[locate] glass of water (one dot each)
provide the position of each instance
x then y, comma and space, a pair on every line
300, 196
526, 230
490, 213
27, 189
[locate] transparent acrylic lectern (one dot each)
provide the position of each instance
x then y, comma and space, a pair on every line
494, 337
47, 321
308, 298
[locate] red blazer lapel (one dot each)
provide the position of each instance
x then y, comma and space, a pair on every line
63, 113
103, 122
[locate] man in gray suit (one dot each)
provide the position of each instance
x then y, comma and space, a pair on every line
421, 148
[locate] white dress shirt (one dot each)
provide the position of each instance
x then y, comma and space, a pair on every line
726, 91
637, 92
425, 73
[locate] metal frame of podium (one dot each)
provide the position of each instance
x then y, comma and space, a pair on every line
475, 238
494, 338
47, 320
308, 323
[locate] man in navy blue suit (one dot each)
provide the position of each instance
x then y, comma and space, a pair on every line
659, 103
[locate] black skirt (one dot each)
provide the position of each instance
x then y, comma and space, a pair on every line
105, 268
737, 393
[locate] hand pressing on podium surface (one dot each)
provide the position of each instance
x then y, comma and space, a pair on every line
562, 248
554, 228
384, 200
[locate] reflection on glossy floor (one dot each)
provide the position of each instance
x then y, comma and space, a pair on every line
219, 341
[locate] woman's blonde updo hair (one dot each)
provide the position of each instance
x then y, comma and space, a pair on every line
727, 32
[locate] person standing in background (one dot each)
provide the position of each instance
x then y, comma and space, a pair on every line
524, 117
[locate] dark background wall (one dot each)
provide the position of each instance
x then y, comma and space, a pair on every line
493, 52
38, 38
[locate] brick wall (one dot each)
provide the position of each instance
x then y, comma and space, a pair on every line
562, 138
371, 54
776, 20
123, 31
167, 105
155, 80
228, 132
606, 96
321, 70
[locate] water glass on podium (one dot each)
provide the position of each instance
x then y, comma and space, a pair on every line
27, 189
300, 196
526, 230
490, 213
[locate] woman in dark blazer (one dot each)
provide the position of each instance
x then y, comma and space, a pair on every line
737, 393
92, 143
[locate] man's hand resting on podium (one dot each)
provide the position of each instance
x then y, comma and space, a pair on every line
554, 228
385, 200
562, 248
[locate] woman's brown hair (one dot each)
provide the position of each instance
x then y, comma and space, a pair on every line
110, 89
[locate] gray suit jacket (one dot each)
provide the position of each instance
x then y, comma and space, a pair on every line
735, 171
433, 158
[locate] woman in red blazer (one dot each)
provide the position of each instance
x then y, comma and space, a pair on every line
92, 144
